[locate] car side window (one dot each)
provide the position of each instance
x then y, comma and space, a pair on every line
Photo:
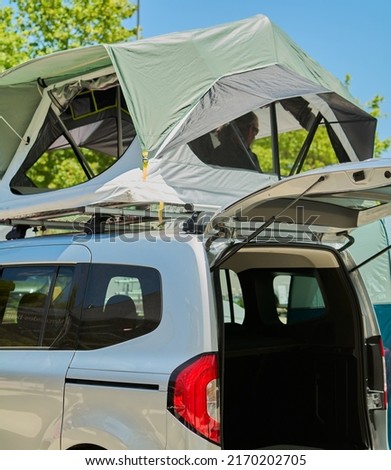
232, 297
34, 304
121, 303
299, 297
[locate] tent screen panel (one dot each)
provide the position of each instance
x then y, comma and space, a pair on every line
88, 137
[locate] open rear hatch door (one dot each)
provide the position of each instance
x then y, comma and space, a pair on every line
328, 201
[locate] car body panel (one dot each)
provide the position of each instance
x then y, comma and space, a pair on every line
31, 398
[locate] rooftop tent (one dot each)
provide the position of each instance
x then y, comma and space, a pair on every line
172, 89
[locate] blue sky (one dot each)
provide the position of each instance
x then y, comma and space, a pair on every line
345, 36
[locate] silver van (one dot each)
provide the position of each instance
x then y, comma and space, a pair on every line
248, 328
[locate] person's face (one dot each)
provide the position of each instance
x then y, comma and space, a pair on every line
252, 131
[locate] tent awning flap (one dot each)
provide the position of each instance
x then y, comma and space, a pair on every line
63, 95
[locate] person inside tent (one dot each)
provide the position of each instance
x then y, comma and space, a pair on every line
235, 141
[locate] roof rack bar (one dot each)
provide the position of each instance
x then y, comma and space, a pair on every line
99, 218
54, 224
148, 209
137, 213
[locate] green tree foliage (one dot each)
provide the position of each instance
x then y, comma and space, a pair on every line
32, 28
374, 108
320, 154
61, 169
13, 43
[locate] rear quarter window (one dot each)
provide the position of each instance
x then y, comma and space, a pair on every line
121, 303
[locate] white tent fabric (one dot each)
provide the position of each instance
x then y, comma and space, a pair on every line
182, 179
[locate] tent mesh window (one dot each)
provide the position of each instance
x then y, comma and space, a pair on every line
89, 136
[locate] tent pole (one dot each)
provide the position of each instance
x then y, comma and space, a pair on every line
79, 155
274, 138
298, 165
120, 148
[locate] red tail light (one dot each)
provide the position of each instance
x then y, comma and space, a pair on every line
193, 396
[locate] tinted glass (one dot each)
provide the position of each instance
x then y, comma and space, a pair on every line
59, 307
121, 303
299, 297
34, 304
232, 297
